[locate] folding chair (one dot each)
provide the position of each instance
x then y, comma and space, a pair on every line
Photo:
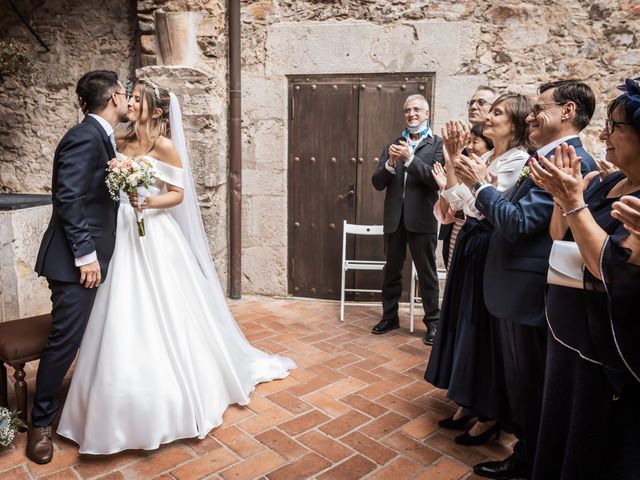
414, 296
352, 264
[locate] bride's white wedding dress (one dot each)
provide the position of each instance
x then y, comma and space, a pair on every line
162, 357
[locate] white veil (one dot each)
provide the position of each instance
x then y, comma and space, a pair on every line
261, 365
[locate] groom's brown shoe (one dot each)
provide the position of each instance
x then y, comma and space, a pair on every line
39, 445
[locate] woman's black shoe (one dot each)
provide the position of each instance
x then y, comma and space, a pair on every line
451, 424
470, 440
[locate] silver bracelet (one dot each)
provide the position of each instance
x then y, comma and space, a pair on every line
575, 210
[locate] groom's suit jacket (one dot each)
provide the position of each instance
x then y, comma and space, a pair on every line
84, 215
418, 195
515, 273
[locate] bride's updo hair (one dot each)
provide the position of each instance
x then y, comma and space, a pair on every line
152, 97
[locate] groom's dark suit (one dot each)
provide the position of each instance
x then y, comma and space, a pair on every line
83, 221
409, 218
514, 289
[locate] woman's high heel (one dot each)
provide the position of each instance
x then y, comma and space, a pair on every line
471, 440
451, 424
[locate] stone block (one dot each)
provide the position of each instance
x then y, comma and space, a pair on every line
260, 10
148, 44
264, 145
211, 26
263, 98
22, 293
353, 47
264, 181
505, 13
625, 58
451, 95
184, 80
264, 270
518, 38
264, 221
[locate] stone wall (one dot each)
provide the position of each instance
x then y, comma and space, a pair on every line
22, 293
81, 36
510, 45
203, 91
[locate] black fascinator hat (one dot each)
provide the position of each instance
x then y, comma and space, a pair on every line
629, 101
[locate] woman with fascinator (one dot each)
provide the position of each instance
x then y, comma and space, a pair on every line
590, 425
162, 356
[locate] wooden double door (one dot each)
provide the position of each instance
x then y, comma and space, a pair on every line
338, 127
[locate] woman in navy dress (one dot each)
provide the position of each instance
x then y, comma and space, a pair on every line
466, 357
590, 425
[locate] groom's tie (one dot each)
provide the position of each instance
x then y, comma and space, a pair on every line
113, 141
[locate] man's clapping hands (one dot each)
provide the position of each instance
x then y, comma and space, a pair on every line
399, 153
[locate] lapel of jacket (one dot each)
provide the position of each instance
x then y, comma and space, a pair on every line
576, 142
426, 141
105, 138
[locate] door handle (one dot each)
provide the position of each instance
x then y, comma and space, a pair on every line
352, 191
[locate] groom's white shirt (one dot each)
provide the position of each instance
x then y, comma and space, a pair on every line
92, 257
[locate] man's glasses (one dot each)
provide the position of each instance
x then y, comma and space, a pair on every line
481, 102
611, 125
126, 95
407, 111
540, 107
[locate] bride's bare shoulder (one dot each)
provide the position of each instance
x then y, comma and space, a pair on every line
165, 151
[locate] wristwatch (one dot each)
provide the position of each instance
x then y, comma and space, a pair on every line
476, 186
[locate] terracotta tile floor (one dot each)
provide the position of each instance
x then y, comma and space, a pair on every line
356, 407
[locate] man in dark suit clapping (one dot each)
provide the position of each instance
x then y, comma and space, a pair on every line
405, 171
518, 260
78, 243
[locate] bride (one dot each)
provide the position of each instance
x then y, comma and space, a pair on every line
162, 356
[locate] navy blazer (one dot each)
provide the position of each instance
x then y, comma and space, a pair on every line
515, 273
83, 219
420, 191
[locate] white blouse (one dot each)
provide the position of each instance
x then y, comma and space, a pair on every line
506, 168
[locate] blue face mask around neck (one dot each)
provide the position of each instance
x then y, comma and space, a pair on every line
419, 128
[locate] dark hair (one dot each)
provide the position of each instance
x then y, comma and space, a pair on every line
577, 92
518, 107
624, 102
477, 131
95, 88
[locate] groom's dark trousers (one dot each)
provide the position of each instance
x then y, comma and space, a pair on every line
83, 221
71, 307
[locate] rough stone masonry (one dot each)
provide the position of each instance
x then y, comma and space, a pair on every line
510, 45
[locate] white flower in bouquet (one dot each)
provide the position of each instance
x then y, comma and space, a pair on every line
129, 175
10, 422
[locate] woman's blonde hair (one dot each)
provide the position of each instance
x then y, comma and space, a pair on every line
151, 97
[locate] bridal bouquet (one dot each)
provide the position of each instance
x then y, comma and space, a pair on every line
130, 175
10, 422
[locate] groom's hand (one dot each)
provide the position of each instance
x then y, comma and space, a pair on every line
90, 275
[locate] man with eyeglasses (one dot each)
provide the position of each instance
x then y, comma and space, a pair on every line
479, 104
405, 173
518, 260
78, 243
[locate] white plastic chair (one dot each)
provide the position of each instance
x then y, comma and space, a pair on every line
442, 274
351, 264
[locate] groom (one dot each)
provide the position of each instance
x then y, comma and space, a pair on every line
78, 243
